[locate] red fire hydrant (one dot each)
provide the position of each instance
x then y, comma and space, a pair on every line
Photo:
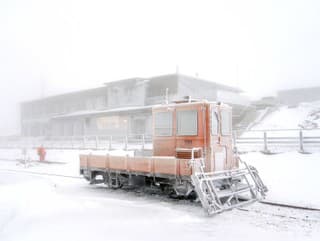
41, 153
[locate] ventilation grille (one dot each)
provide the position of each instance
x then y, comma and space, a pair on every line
186, 153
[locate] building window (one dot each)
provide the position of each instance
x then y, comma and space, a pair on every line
88, 122
108, 122
163, 124
100, 102
187, 123
226, 122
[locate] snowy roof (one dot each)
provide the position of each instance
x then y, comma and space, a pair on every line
137, 80
125, 81
97, 112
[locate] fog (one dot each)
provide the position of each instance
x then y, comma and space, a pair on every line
52, 47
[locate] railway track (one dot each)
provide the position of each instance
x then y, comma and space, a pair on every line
266, 202
40, 173
289, 205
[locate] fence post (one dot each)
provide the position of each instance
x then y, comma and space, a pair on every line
60, 142
110, 143
143, 141
265, 142
72, 144
301, 141
97, 142
126, 143
84, 142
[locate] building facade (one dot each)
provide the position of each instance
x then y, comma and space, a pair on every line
121, 107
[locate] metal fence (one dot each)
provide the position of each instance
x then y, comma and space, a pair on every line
280, 140
129, 142
268, 141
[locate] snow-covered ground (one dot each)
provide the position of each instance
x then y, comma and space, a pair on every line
40, 208
283, 128
291, 177
305, 115
36, 207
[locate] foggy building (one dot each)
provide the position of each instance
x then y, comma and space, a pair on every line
121, 107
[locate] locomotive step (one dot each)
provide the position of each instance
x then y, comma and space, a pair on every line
213, 178
228, 193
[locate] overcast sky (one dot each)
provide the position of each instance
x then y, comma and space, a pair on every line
50, 47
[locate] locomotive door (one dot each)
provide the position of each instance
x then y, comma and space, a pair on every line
218, 157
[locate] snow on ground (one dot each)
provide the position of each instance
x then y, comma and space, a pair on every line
282, 127
34, 207
305, 115
63, 162
291, 177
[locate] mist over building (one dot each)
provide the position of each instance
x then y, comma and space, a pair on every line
121, 107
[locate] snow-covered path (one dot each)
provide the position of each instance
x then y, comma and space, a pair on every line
39, 207
34, 207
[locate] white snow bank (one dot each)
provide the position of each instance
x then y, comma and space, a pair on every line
34, 208
292, 178
306, 115
64, 162
283, 128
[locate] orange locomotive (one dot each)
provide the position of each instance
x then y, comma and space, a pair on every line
192, 153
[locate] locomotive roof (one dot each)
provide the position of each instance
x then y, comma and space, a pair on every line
193, 102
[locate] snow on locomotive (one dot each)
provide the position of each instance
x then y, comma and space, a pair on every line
192, 153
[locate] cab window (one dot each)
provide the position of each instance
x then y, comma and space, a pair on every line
214, 123
226, 121
163, 124
187, 123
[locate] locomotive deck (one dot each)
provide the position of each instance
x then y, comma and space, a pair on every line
153, 166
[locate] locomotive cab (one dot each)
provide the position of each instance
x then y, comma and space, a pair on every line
202, 127
201, 132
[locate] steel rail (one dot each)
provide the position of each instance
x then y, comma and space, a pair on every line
288, 205
40, 173
79, 177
